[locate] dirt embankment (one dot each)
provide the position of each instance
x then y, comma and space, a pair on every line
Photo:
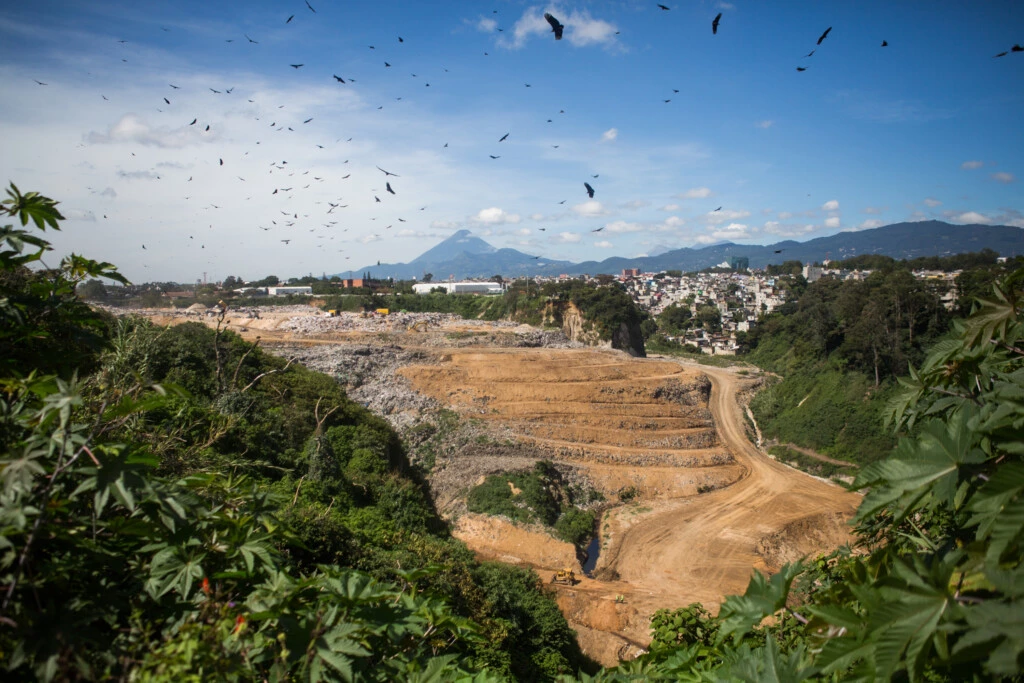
696, 508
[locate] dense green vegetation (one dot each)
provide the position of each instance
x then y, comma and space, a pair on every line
838, 348
606, 307
177, 505
540, 496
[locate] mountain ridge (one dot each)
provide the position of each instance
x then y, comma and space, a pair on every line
463, 255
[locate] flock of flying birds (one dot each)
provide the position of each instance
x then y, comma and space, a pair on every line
289, 219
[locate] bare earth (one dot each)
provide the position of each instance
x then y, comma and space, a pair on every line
670, 547
704, 507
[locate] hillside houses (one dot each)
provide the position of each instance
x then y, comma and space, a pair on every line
741, 298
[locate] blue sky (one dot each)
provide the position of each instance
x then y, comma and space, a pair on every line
928, 127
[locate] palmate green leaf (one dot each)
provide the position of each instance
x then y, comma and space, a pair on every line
32, 206
997, 629
928, 466
993, 318
998, 509
257, 546
740, 613
767, 665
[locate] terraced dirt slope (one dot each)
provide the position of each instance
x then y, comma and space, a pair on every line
710, 508
631, 424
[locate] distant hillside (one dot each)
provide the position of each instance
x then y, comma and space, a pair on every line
462, 255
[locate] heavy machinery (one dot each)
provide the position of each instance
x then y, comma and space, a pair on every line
564, 575
419, 326
383, 311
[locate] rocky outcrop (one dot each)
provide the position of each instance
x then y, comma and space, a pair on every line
577, 328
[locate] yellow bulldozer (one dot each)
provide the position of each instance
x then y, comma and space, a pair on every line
419, 326
566, 576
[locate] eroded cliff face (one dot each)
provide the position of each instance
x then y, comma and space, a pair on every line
577, 328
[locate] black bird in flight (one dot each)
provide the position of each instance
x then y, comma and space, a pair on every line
338, 78
718, 209
254, 42
143, 246
778, 251
289, 20
493, 157
215, 91
377, 198
221, 162
387, 173
388, 186
310, 7
663, 7
502, 138
536, 257
714, 24
174, 86
167, 100
286, 241
556, 26
386, 64
810, 54
885, 43
824, 35
590, 190
801, 68
297, 66
41, 83
307, 120
193, 122
598, 229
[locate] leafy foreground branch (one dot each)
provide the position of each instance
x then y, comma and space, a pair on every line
163, 518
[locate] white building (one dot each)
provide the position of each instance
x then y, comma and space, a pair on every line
285, 291
459, 287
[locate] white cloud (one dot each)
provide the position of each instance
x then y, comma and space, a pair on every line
788, 229
590, 209
670, 207
635, 204
370, 238
785, 215
971, 165
536, 216
525, 232
765, 124
79, 215
604, 244
581, 29
623, 226
610, 135
832, 222
445, 225
830, 205
108, 192
1003, 177
725, 215
487, 25
694, 193
932, 202
138, 175
874, 210
731, 232
725, 5
973, 217
870, 224
132, 128
495, 216
568, 238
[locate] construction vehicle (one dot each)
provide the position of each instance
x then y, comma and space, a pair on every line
419, 326
566, 576
331, 314
382, 311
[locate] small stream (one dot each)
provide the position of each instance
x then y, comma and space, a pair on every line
592, 552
